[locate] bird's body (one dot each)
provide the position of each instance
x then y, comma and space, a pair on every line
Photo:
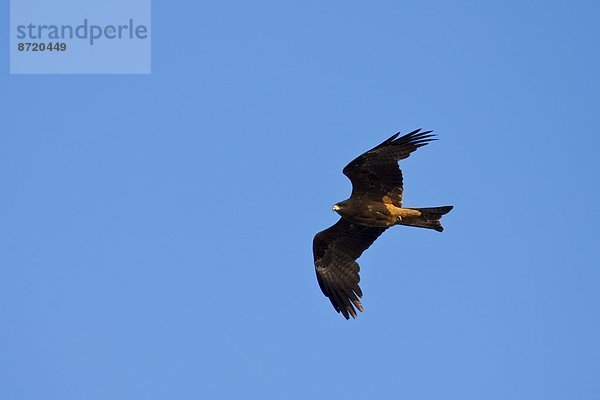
375, 213
374, 206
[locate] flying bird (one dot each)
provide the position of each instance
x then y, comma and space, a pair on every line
374, 205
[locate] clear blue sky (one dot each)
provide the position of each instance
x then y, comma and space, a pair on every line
156, 230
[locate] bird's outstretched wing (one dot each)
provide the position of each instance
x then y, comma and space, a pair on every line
335, 251
375, 174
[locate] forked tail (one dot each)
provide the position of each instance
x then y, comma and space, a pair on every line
429, 218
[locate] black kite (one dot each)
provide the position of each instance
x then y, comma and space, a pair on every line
374, 206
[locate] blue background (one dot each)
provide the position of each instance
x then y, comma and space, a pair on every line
156, 230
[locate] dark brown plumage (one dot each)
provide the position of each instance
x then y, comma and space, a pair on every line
374, 206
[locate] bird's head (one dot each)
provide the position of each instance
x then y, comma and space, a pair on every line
338, 207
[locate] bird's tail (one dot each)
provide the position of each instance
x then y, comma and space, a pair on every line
429, 218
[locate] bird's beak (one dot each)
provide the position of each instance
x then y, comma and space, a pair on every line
336, 207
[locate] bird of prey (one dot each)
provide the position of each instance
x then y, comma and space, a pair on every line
374, 206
